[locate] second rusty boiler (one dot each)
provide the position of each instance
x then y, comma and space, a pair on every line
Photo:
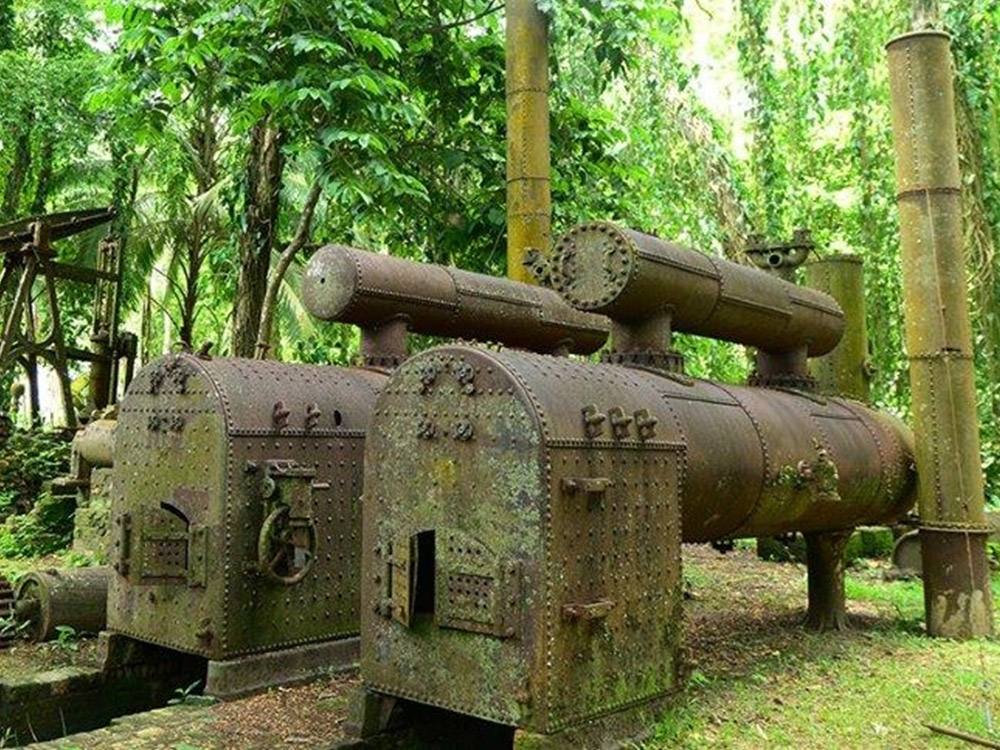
524, 516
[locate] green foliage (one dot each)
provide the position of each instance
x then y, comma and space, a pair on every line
11, 627
183, 694
47, 528
29, 459
67, 639
35, 522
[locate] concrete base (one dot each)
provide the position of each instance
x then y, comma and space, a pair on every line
248, 674
51, 703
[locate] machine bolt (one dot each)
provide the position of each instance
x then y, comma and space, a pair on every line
279, 415
465, 374
428, 375
426, 429
646, 424
620, 422
462, 430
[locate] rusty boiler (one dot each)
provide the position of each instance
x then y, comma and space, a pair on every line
236, 509
524, 514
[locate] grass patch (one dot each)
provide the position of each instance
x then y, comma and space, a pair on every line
872, 688
13, 568
767, 682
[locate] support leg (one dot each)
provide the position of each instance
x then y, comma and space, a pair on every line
825, 558
371, 714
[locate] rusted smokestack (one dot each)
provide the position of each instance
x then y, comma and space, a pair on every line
938, 338
845, 371
529, 202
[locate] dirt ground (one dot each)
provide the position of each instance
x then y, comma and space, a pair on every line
744, 638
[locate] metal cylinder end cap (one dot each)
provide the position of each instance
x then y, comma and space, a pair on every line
329, 282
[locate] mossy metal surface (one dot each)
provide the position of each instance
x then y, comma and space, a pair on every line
523, 514
939, 336
214, 455
535, 608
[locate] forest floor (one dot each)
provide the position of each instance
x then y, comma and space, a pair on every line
757, 678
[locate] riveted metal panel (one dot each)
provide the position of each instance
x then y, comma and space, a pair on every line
455, 467
222, 464
615, 580
170, 448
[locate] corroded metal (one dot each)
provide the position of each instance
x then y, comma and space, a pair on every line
825, 564
781, 258
75, 598
530, 574
374, 291
28, 257
938, 336
845, 371
635, 278
89, 478
236, 518
94, 444
15, 234
529, 201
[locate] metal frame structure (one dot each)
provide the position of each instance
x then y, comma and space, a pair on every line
29, 260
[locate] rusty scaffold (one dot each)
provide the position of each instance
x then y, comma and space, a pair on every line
28, 301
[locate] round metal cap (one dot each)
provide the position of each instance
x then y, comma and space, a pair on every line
329, 282
591, 265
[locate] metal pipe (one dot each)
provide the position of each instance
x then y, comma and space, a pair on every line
529, 201
632, 277
95, 442
938, 337
74, 597
372, 290
845, 371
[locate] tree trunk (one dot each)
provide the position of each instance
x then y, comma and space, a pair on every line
189, 295
44, 183
287, 256
18, 173
264, 168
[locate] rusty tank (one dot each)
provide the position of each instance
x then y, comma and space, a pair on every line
632, 277
235, 507
524, 516
75, 598
236, 495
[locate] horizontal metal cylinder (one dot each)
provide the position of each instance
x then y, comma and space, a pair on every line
71, 597
756, 461
370, 290
95, 442
630, 276
762, 462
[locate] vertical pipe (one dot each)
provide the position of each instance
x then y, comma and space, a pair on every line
845, 370
938, 338
528, 190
